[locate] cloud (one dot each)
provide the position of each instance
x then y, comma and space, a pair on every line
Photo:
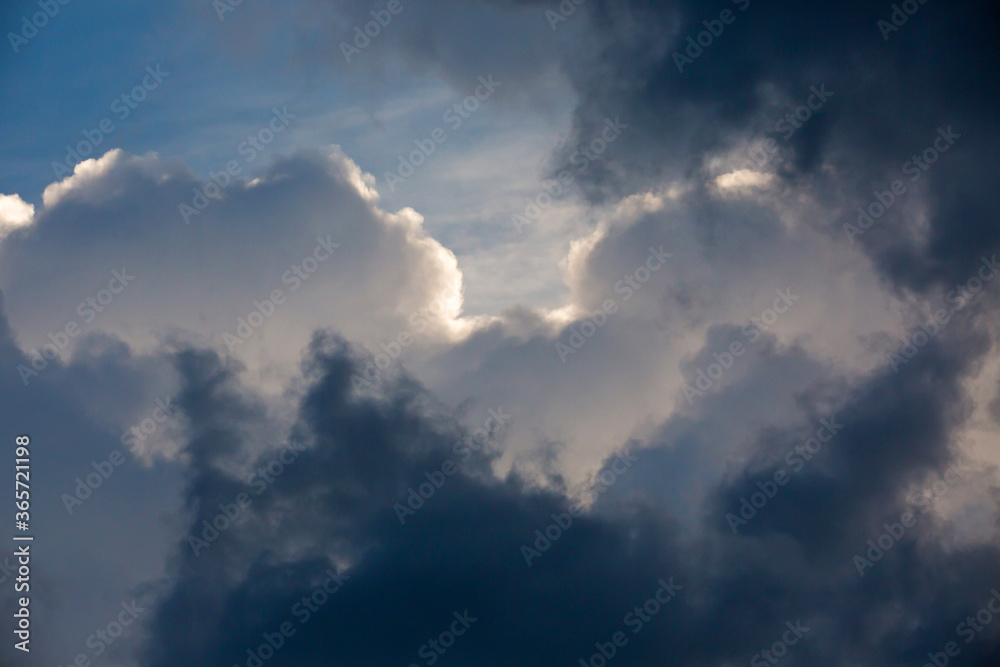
701, 312
15, 214
742, 181
212, 277
332, 509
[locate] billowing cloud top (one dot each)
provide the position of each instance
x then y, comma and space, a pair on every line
502, 333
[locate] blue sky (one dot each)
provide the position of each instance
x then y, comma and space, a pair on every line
221, 88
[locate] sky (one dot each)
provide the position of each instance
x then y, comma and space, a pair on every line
500, 332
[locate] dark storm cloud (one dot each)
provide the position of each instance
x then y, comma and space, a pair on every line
894, 430
890, 98
330, 514
75, 413
625, 60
